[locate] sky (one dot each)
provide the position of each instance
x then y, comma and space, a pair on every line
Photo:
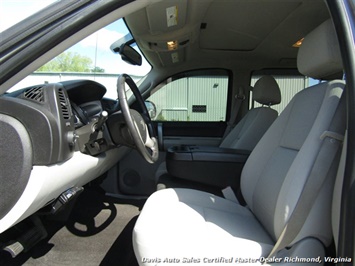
12, 11
96, 46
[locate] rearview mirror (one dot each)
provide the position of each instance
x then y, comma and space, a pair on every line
130, 55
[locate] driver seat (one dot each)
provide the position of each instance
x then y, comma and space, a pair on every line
177, 225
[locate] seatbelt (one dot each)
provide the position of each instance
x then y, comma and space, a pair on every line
337, 191
228, 194
160, 136
239, 98
332, 140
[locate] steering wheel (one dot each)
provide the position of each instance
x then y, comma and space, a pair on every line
139, 124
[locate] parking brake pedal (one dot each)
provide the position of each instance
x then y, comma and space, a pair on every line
29, 239
14, 249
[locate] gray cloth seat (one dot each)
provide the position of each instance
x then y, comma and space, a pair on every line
195, 225
247, 133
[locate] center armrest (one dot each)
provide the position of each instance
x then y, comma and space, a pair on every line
209, 165
216, 154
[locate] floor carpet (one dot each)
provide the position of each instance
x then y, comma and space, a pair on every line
98, 232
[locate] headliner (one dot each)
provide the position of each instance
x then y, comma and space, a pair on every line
249, 34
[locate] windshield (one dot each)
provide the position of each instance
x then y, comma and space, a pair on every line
90, 59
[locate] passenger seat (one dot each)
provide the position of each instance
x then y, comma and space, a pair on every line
243, 137
247, 133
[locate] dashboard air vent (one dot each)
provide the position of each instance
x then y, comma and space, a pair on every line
64, 104
35, 94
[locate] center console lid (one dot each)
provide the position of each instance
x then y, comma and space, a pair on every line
209, 165
207, 153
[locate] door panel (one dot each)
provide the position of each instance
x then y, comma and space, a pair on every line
188, 109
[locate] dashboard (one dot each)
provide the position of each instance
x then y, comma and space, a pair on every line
53, 141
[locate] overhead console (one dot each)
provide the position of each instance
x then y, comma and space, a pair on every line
219, 167
167, 32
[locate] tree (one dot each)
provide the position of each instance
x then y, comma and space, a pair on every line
97, 70
68, 62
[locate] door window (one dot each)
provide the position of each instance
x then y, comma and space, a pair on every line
196, 96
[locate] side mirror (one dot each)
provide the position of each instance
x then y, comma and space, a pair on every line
130, 55
152, 109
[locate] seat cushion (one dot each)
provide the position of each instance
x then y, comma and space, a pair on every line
184, 223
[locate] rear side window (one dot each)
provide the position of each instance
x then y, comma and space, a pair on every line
198, 96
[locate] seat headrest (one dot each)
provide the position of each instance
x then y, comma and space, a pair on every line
319, 55
266, 91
